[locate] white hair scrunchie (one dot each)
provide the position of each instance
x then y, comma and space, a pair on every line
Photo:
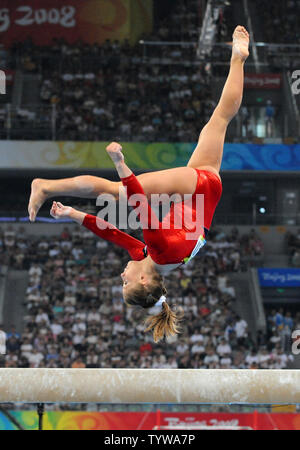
161, 301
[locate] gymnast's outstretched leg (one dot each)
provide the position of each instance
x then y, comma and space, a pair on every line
207, 155
209, 151
169, 181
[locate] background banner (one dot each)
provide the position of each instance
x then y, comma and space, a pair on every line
89, 20
148, 421
262, 80
142, 155
279, 277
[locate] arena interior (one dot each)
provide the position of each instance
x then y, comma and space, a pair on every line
148, 74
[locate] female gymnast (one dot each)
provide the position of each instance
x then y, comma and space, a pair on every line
165, 249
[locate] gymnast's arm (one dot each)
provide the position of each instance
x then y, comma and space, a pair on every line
146, 215
155, 237
101, 228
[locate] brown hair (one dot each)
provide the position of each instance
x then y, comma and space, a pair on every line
166, 322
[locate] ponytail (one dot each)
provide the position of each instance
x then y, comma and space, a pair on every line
165, 323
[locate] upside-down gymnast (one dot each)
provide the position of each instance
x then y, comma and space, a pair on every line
165, 249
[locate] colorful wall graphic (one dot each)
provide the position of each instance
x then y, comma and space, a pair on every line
147, 421
89, 20
143, 155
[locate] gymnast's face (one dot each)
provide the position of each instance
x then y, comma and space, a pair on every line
131, 276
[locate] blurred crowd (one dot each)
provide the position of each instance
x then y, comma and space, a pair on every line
128, 101
92, 92
74, 314
278, 22
142, 92
118, 91
280, 325
281, 20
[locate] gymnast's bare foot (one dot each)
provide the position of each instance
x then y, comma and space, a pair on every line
37, 197
240, 43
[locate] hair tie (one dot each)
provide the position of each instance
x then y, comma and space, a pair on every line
161, 301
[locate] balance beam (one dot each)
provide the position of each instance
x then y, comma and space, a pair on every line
149, 385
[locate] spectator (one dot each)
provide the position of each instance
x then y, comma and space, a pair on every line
240, 329
223, 348
13, 333
78, 364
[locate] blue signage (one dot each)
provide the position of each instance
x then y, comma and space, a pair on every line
279, 277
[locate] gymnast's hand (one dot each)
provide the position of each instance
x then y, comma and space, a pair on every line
115, 152
58, 210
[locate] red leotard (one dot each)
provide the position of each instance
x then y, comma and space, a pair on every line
165, 246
